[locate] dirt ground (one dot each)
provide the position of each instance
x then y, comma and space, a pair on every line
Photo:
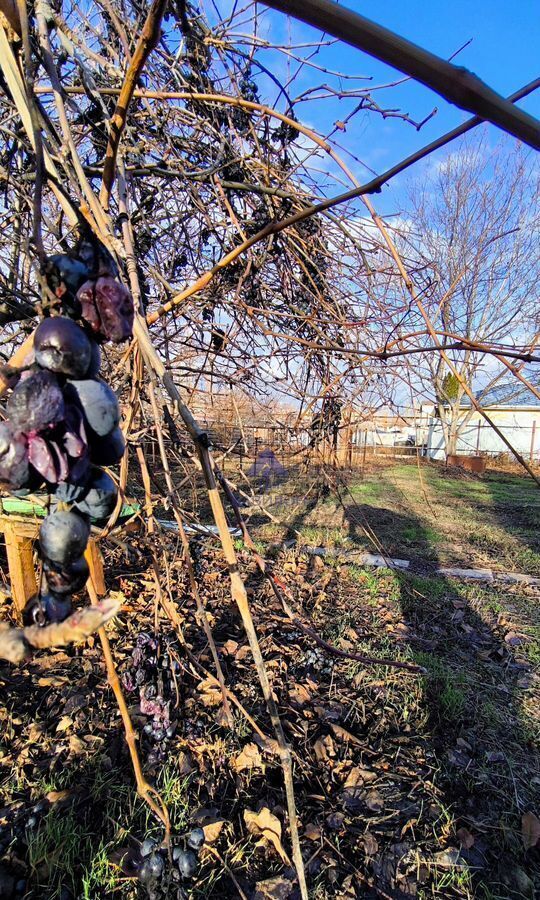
407, 785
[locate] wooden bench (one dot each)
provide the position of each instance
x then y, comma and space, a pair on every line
19, 523
20, 535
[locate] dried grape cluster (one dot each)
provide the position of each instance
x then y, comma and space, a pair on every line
62, 420
152, 672
162, 880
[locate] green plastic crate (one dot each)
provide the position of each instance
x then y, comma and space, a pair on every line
18, 506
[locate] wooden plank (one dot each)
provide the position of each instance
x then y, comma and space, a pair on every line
22, 574
95, 562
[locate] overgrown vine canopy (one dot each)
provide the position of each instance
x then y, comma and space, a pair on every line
214, 151
179, 139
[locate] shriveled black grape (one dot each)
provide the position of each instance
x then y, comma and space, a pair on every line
147, 847
65, 274
46, 609
60, 345
156, 865
36, 403
95, 360
109, 450
97, 402
100, 498
48, 458
187, 863
74, 437
63, 537
196, 839
14, 468
145, 873
67, 492
96, 257
57, 608
108, 308
66, 579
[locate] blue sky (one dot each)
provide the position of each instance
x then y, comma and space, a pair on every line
503, 52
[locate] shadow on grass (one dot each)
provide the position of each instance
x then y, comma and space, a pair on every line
474, 694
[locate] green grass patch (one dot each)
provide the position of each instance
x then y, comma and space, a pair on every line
446, 688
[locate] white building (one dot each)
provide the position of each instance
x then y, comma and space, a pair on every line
512, 408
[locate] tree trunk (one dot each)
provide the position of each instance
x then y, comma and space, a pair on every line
452, 439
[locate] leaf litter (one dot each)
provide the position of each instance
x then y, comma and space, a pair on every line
398, 778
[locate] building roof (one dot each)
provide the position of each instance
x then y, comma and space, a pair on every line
510, 394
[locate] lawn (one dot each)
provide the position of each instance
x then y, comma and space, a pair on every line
423, 513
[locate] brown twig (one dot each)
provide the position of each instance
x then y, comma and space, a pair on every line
147, 42
16, 644
454, 83
145, 790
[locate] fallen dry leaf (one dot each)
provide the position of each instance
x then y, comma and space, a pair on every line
59, 796
371, 845
249, 758
76, 746
64, 723
312, 832
52, 681
300, 695
343, 734
268, 826
210, 691
374, 801
212, 830
358, 776
335, 821
530, 830
324, 748
273, 889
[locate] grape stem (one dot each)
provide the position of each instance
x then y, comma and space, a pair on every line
144, 789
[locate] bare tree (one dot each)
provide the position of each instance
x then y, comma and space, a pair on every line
473, 237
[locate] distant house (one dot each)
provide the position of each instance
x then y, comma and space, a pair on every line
512, 407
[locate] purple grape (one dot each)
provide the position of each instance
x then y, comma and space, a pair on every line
36, 403
60, 345
14, 468
95, 360
65, 274
96, 257
108, 451
108, 308
100, 497
196, 839
66, 579
97, 402
187, 863
46, 609
63, 537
